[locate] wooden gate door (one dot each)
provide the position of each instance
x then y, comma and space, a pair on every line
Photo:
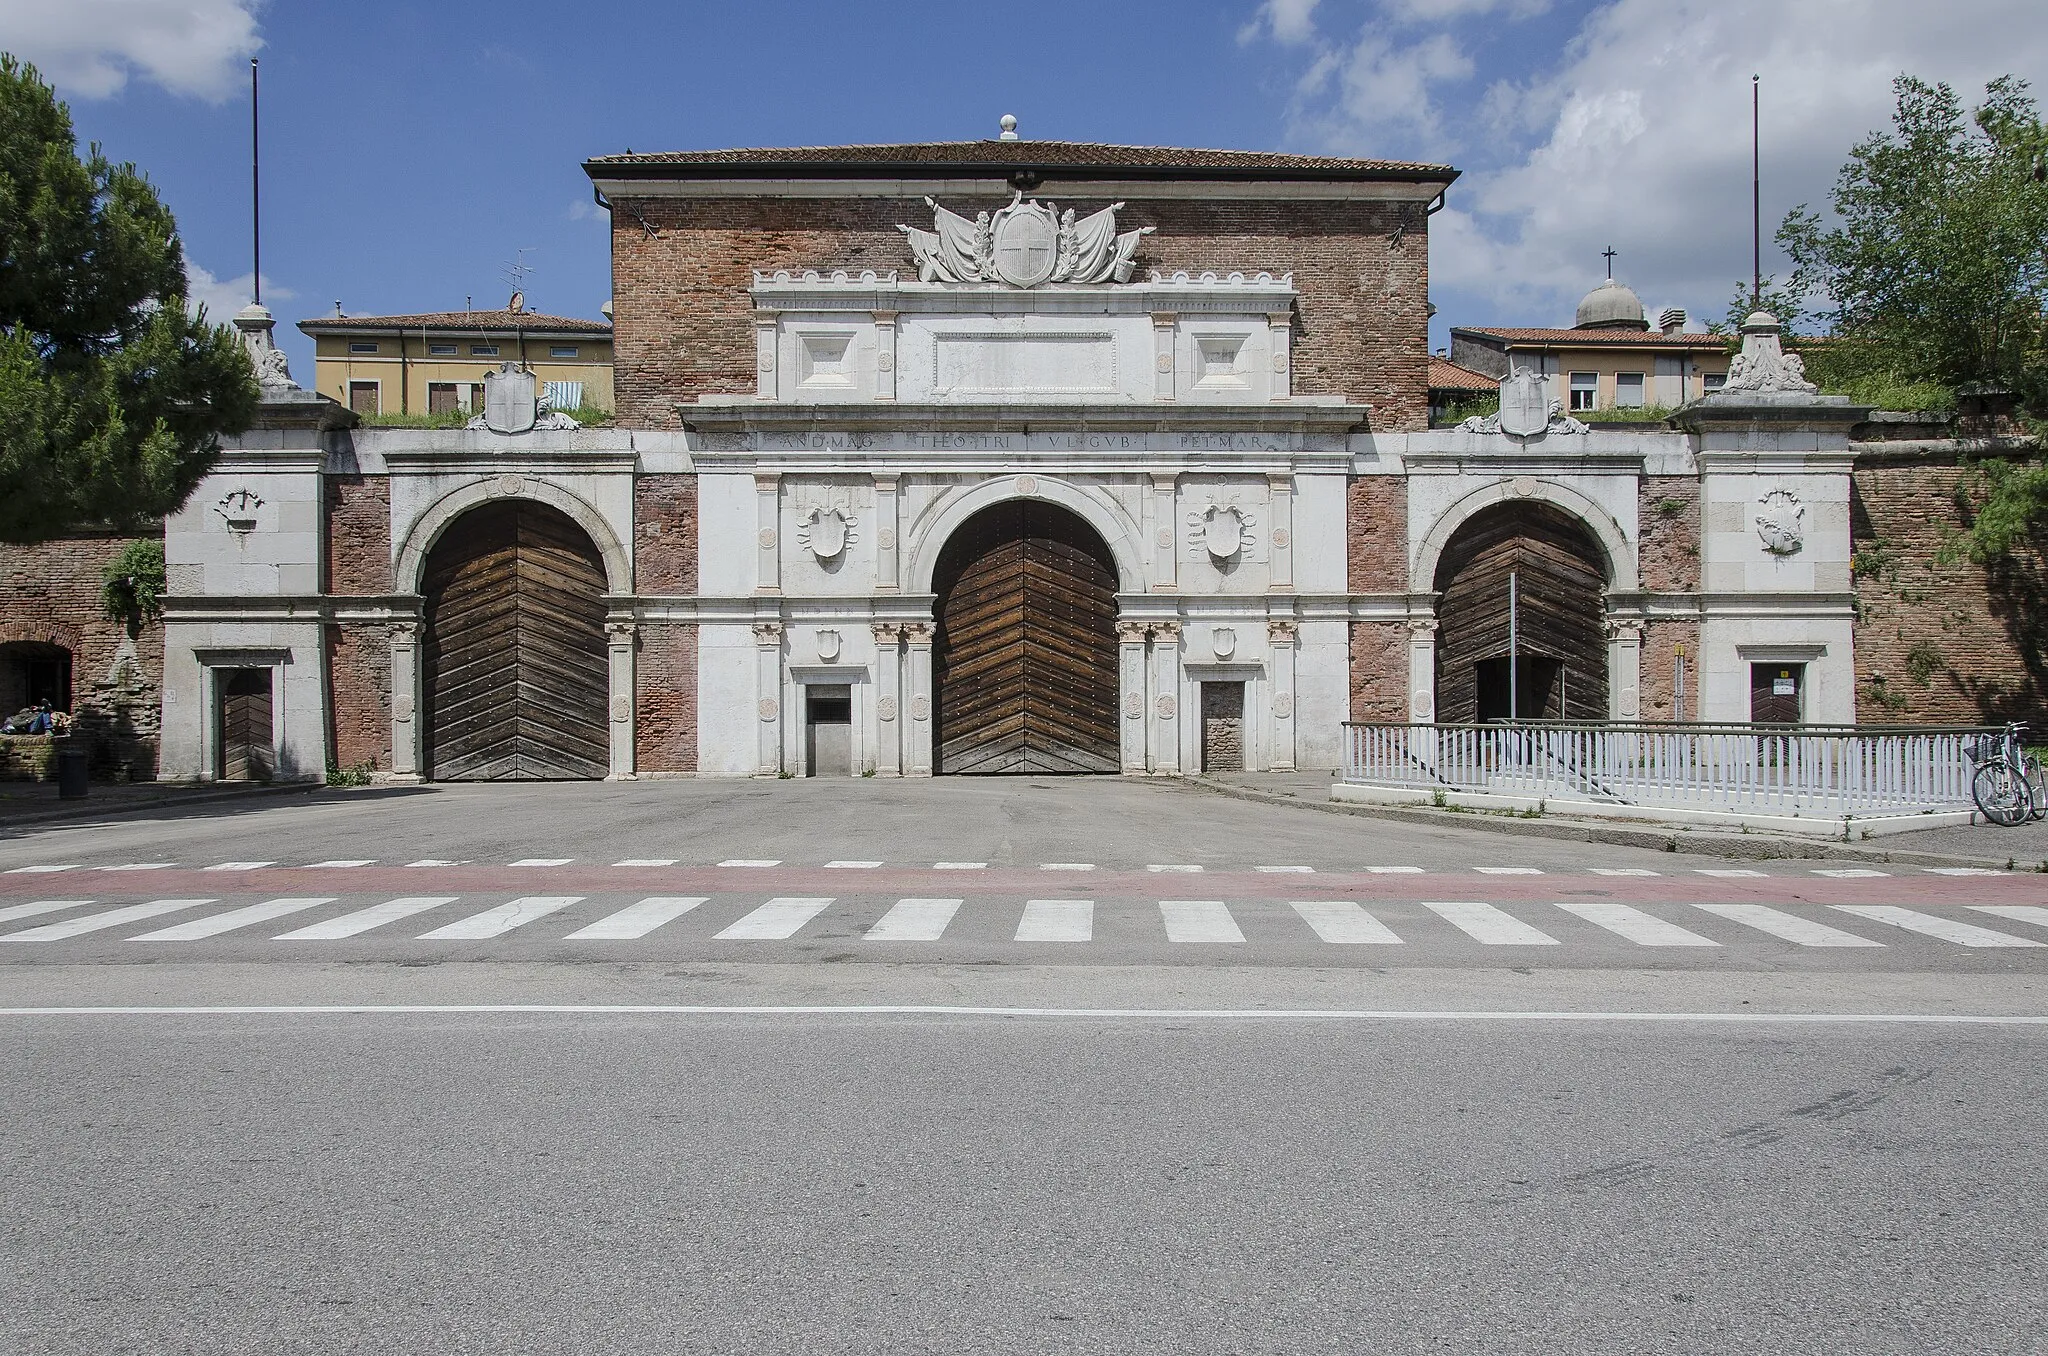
1026, 653
516, 666
243, 734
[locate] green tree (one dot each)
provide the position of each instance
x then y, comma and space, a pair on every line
113, 397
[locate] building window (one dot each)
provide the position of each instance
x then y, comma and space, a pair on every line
483, 350
1628, 391
562, 350
364, 397
564, 395
440, 350
1585, 389
359, 347
1714, 381
443, 397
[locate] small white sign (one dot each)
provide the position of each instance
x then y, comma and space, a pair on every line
1784, 687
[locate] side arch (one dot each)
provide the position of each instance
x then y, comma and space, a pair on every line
409, 565
937, 524
1607, 533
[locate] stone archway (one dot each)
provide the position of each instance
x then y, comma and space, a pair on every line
1025, 658
1559, 568
514, 653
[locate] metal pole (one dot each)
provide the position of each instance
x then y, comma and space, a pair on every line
1514, 640
1679, 713
1756, 196
255, 190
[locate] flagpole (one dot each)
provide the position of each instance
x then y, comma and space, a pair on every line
1756, 195
255, 190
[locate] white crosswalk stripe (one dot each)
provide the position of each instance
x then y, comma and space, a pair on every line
1623, 871
1395, 870
237, 866
1849, 872
1343, 922
1947, 929
775, 921
751, 861
339, 863
1509, 870
96, 922
851, 866
647, 861
637, 920
138, 866
542, 861
1286, 870
1788, 927
959, 866
41, 870
36, 907
1057, 920
914, 920
364, 920
500, 920
1199, 920
1489, 926
1182, 867
1734, 873
1623, 920
1962, 870
1067, 866
248, 916
2018, 913
435, 861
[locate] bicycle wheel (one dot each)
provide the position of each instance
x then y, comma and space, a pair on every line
2037, 788
2002, 795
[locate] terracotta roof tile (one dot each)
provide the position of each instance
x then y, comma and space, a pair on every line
532, 322
1592, 338
1448, 376
1014, 154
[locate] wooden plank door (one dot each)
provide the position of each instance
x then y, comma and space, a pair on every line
517, 670
243, 731
1026, 653
1774, 693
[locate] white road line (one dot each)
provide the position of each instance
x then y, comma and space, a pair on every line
340, 863
542, 861
246, 916
1623, 871
1199, 920
436, 861
1947, 929
40, 870
1343, 922
1173, 866
637, 920
1395, 870
1057, 920
1632, 923
40, 906
1740, 872
1791, 927
1485, 924
1066, 866
1849, 872
94, 922
959, 866
914, 920
647, 861
2018, 913
1937, 870
1286, 870
778, 919
137, 866
752, 861
236, 866
851, 866
363, 920
498, 921
1508, 870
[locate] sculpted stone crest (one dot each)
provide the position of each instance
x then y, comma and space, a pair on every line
1524, 413
1024, 244
1781, 522
1221, 531
826, 531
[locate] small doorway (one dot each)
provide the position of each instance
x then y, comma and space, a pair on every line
1222, 727
828, 731
1774, 693
1539, 684
242, 725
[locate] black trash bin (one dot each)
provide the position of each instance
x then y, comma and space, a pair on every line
72, 783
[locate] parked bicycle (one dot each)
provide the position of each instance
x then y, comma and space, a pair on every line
2009, 787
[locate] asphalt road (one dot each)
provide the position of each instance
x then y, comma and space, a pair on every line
1348, 1086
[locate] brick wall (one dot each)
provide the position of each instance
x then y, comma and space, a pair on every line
1668, 512
681, 269
1659, 683
358, 534
665, 520
665, 683
359, 677
1377, 535
1939, 642
1379, 671
50, 595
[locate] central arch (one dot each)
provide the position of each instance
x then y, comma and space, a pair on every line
1025, 659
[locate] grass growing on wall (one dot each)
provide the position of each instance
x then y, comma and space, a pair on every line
590, 416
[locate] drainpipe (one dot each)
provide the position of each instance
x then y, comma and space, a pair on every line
404, 377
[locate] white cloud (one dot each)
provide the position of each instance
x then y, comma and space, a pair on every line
1442, 11
585, 209
1286, 21
222, 297
91, 48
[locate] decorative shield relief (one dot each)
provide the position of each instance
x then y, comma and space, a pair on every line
826, 531
1026, 241
1524, 412
828, 645
510, 404
1221, 531
1781, 522
1223, 640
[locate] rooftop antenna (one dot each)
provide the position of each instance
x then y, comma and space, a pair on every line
1756, 195
1608, 255
255, 191
517, 268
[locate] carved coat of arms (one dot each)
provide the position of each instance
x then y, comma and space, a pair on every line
1781, 522
1221, 531
509, 403
1024, 244
825, 531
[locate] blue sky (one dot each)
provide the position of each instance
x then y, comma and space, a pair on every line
412, 151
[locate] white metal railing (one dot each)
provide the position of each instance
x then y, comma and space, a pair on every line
1778, 769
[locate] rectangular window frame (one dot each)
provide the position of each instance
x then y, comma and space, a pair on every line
363, 346
435, 350
1631, 391
483, 350
1584, 388
563, 350
374, 387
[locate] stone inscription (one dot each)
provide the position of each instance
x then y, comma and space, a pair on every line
1016, 442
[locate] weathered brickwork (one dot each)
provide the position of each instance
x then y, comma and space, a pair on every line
1659, 683
681, 270
1668, 513
50, 596
1377, 540
1939, 641
359, 674
665, 521
665, 680
358, 534
1379, 671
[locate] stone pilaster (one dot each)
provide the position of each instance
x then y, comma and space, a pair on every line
1280, 533
619, 643
768, 696
1624, 669
1280, 333
889, 720
406, 694
1130, 638
887, 576
1422, 670
1165, 533
766, 381
1282, 640
885, 355
768, 532
1166, 721
918, 637
1162, 354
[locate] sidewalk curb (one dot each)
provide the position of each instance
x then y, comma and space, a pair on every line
1747, 846
89, 808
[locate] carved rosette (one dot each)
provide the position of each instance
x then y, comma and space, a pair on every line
885, 709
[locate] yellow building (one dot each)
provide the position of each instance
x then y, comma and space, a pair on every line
435, 363
1609, 359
